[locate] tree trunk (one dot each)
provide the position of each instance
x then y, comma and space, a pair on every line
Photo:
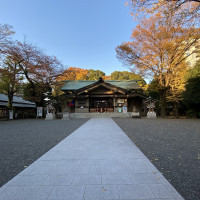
176, 110
162, 94
10, 101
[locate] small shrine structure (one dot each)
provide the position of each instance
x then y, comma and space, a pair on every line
150, 104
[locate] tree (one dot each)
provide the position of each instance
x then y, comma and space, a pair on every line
106, 77
22, 60
10, 72
5, 37
10, 79
94, 74
152, 5
125, 75
35, 64
177, 86
186, 10
58, 96
39, 69
158, 50
73, 73
38, 93
152, 89
194, 72
191, 95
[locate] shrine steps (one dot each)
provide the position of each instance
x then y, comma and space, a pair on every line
99, 115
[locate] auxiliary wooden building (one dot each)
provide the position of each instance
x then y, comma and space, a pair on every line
21, 107
103, 96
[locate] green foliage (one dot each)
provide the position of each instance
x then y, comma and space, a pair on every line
95, 74
10, 79
4, 84
194, 72
153, 89
191, 95
36, 93
125, 75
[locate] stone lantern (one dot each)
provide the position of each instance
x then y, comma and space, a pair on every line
50, 111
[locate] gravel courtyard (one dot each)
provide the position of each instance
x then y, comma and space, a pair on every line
173, 146
23, 141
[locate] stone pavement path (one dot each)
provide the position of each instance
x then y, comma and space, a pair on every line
97, 161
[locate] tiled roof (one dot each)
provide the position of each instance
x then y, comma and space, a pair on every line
17, 101
75, 85
125, 84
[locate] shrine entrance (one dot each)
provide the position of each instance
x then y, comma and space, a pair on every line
101, 105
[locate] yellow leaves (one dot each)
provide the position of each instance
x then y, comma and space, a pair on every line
158, 49
145, 87
57, 92
177, 83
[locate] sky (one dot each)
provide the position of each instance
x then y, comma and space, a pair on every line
81, 33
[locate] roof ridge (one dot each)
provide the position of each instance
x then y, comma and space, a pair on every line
122, 80
98, 80
81, 80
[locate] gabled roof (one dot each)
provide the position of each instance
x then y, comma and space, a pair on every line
124, 84
101, 84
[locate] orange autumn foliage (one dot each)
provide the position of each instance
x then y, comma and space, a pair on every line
106, 77
73, 73
182, 9
158, 49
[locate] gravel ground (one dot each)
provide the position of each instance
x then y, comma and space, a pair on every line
173, 146
24, 141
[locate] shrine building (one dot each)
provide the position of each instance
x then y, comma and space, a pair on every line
103, 96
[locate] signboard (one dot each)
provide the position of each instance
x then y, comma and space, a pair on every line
39, 111
119, 110
10, 114
120, 101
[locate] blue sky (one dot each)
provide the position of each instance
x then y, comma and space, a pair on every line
81, 33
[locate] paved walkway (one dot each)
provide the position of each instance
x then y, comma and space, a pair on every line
97, 161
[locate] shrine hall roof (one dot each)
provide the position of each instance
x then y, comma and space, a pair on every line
77, 84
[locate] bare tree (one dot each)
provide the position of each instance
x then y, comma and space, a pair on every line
5, 36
